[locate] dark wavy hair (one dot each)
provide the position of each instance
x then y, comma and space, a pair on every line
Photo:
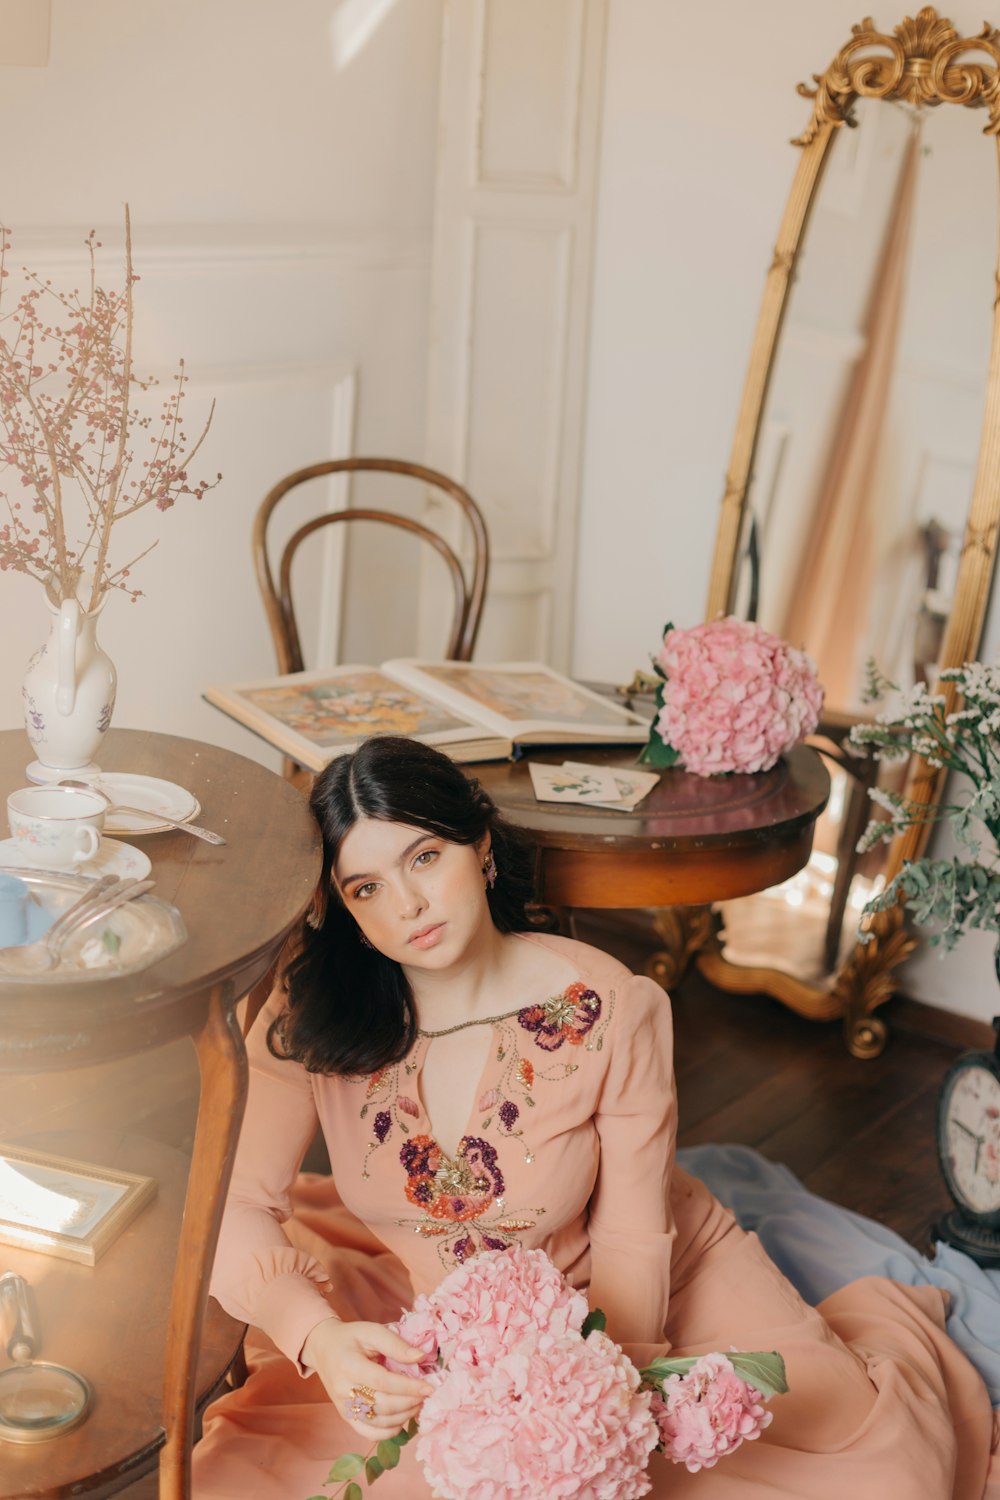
349, 1009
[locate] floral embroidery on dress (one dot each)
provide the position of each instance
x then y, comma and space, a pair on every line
461, 1197
568, 1017
574, 1017
382, 1093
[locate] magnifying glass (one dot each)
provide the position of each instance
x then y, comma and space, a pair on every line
38, 1400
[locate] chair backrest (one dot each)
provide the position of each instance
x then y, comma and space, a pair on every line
469, 587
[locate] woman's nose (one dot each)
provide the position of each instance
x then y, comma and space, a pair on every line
412, 903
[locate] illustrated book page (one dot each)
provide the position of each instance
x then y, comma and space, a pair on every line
525, 700
316, 716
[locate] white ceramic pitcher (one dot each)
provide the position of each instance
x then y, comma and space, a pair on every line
69, 694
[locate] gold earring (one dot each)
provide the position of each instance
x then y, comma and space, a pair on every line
490, 870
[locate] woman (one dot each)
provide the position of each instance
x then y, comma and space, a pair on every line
481, 1084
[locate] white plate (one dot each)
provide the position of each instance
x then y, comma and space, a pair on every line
112, 858
165, 799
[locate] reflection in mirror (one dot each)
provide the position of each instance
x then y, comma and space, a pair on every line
864, 468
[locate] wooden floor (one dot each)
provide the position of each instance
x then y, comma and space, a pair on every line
749, 1071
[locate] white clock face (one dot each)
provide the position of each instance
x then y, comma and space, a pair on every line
972, 1138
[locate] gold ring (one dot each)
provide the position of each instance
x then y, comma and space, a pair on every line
361, 1407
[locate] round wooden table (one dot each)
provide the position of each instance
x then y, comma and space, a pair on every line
238, 903
693, 839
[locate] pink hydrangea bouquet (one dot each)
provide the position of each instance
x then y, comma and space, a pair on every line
732, 697
532, 1398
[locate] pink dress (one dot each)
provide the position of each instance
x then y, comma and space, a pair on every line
570, 1147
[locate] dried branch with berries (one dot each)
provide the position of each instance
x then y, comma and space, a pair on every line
69, 434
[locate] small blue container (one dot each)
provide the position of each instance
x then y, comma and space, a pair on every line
14, 906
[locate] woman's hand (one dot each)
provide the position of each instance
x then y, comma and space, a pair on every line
341, 1354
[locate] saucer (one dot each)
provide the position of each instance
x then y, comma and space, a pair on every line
112, 858
164, 799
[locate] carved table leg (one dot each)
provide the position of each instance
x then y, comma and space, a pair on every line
684, 930
223, 1065
865, 982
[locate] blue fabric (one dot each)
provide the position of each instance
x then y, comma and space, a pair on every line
820, 1247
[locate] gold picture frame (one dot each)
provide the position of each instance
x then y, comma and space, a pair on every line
63, 1207
924, 61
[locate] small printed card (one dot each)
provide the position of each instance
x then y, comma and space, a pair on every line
632, 785
578, 783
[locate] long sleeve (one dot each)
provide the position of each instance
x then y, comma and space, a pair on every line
630, 1224
259, 1277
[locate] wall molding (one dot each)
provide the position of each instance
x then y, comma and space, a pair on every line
212, 247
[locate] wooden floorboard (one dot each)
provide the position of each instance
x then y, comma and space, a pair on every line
748, 1071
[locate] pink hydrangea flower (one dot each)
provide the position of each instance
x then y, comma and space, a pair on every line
736, 697
556, 1416
707, 1413
420, 1329
486, 1305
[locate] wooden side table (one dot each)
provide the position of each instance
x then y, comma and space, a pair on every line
692, 841
238, 902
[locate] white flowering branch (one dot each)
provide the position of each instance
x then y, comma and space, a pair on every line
67, 433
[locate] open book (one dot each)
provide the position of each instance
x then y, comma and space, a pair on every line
469, 711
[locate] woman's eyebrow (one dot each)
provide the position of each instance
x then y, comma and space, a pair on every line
350, 879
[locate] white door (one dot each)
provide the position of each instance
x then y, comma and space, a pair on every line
517, 157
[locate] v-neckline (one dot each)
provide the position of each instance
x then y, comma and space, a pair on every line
453, 1156
529, 937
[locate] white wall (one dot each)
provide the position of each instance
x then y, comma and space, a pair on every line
279, 164
695, 168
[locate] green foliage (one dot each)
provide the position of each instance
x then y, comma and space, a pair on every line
949, 895
386, 1456
764, 1371
346, 1467
656, 752
953, 894
594, 1319
387, 1453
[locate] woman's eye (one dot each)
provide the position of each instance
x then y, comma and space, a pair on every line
425, 857
366, 890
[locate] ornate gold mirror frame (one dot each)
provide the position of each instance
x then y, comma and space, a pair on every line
924, 63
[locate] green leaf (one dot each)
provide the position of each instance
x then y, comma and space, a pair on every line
403, 1437
388, 1453
411, 1428
594, 1319
661, 1368
345, 1468
372, 1470
764, 1371
353, 1492
657, 753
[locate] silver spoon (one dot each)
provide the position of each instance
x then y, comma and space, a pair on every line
145, 812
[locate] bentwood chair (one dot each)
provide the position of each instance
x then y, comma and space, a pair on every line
468, 583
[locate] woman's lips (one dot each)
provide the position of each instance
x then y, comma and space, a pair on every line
427, 937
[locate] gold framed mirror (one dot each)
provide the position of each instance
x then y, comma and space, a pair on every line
924, 63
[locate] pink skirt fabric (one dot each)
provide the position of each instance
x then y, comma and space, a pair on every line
881, 1403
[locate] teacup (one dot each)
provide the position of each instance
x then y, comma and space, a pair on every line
56, 827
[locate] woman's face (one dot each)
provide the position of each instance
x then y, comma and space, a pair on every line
418, 898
